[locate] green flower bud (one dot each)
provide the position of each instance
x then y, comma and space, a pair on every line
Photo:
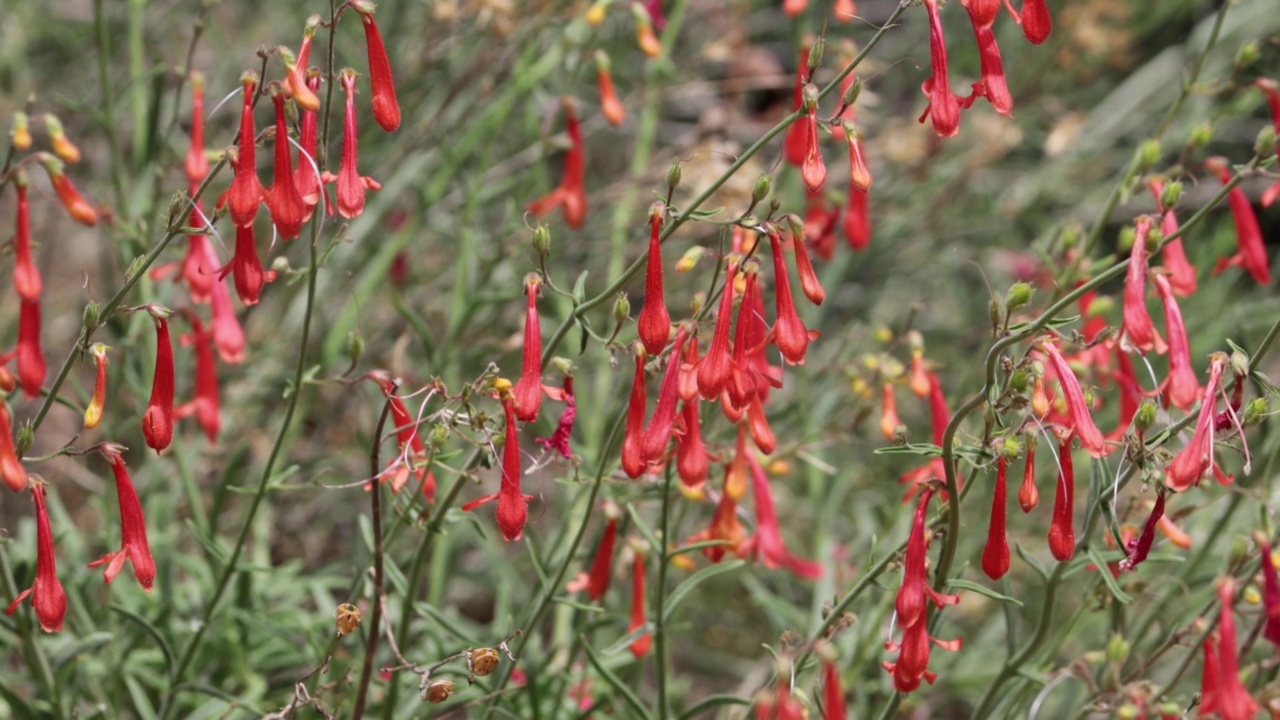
673, 173
563, 365
1019, 295
542, 241
851, 95
1265, 144
1101, 305
1255, 411
1071, 235
1145, 416
1239, 548
25, 435
995, 311
1246, 55
1171, 194
91, 316
815, 53
1117, 649
1200, 136
1020, 381
1125, 242
1148, 154
1012, 448
621, 308
761, 189
355, 346
439, 434
810, 97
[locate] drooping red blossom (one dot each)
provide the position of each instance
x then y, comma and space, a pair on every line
995, 554
820, 220
410, 451
919, 377
639, 646
911, 600
26, 276
284, 202
97, 404
571, 194
559, 440
351, 184
833, 704
767, 542
758, 425
859, 173
889, 420
1270, 595
513, 504
1028, 493
228, 336
200, 265
47, 597
724, 527
992, 85
943, 106
780, 704
204, 404
610, 106
691, 453
245, 193
196, 164
1182, 274
809, 283
1196, 459
528, 390
716, 365
813, 170
307, 176
633, 462
1252, 252
857, 220
1081, 421
742, 377
133, 529
646, 38
1226, 696
10, 467
795, 144
1138, 550
1062, 534
657, 434
1035, 21
1272, 90
245, 267
72, 201
602, 564
386, 110
1130, 393
789, 331
1138, 332
1181, 387
654, 323
30, 355
62, 145
157, 422
913, 657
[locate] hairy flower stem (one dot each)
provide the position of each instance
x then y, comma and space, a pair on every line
375, 504
687, 212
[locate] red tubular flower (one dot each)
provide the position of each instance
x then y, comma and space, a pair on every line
767, 542
1138, 331
857, 221
913, 659
995, 555
795, 145
688, 387
528, 391
284, 202
646, 39
47, 596
1028, 493
813, 171
1035, 21
1062, 536
602, 565
725, 527
1181, 386
716, 365
794, 7
656, 435
351, 184
633, 462
910, 602
859, 173
245, 193
1194, 460
756, 338
888, 411
1081, 421
93, 413
410, 451
62, 145
559, 440
992, 86
919, 382
1226, 696
742, 377
307, 177
1270, 595
789, 331
639, 646
691, 453
133, 530
245, 267
157, 422
610, 106
1252, 253
204, 405
76, 206
31, 365
1139, 549
982, 13
200, 266
758, 425
1182, 274
1130, 393
10, 467
513, 505
228, 337
654, 323
833, 704
26, 276
809, 282
943, 107
196, 165
294, 74
570, 195
386, 110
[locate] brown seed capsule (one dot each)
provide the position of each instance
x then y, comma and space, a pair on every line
483, 661
439, 690
348, 619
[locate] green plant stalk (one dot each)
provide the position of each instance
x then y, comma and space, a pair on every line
137, 60
659, 622
375, 615
686, 213
109, 103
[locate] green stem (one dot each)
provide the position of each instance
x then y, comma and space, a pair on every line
659, 629
109, 104
1176, 107
375, 616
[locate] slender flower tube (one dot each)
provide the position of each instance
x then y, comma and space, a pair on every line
995, 555
76, 206
795, 145
351, 184
528, 390
654, 323
911, 600
688, 387
1035, 21
30, 355
307, 176
1226, 696
570, 195
47, 597
716, 365
284, 202
646, 39
758, 424
691, 453
889, 420
1139, 549
859, 173
789, 331
1081, 421
200, 265
62, 146
1138, 331
228, 336
993, 85
10, 467
196, 165
913, 659
809, 283
833, 704
639, 646
919, 382
1252, 252
610, 106
857, 220
246, 267
157, 422
93, 413
26, 276
1196, 459
1182, 274
133, 529
656, 435
559, 440
1062, 535
245, 194
633, 463
943, 106
513, 504
204, 405
1181, 386
386, 109
295, 78
813, 170
1028, 493
602, 564
742, 377
767, 542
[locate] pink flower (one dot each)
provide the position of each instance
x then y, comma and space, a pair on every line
1196, 459
133, 528
1138, 330
1081, 421
943, 107
1181, 386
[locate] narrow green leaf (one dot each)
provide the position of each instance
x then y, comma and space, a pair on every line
86, 644
710, 702
981, 590
682, 590
626, 692
923, 449
692, 547
1110, 581
579, 606
645, 530
580, 288
1031, 560
151, 630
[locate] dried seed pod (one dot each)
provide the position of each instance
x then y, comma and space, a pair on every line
483, 661
348, 619
439, 690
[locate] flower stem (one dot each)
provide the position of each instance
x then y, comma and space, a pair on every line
375, 504
659, 610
